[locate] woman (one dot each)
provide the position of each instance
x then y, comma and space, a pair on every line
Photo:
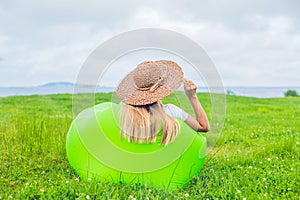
143, 115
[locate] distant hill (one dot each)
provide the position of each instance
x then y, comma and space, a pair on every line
51, 84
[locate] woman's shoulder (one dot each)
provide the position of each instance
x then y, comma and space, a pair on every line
175, 111
169, 105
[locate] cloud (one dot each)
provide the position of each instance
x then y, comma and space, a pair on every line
252, 42
261, 56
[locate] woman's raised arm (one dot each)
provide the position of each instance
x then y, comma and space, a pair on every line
201, 123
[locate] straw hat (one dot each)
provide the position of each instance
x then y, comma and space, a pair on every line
149, 82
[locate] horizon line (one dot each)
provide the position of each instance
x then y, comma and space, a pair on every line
67, 82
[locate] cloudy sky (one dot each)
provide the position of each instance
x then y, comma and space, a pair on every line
252, 42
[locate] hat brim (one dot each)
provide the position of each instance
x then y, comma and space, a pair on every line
129, 94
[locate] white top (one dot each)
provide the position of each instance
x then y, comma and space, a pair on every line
175, 111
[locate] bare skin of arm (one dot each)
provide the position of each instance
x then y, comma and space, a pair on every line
201, 123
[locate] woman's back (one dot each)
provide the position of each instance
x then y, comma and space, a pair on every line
143, 123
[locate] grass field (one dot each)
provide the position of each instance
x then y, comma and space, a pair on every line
256, 157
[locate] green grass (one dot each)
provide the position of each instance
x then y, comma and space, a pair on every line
256, 157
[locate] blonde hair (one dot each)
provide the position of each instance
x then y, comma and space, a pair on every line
141, 124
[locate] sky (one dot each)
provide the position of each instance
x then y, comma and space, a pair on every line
251, 42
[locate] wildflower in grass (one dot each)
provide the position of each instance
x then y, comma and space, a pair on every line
265, 195
264, 179
87, 197
131, 197
67, 181
186, 195
250, 167
289, 189
43, 172
10, 197
150, 190
260, 162
244, 198
89, 179
42, 190
147, 198
268, 159
239, 191
12, 184
77, 180
266, 186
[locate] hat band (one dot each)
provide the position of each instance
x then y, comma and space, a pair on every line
153, 87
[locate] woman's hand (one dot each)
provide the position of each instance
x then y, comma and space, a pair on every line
189, 88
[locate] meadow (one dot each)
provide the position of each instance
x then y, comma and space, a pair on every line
256, 156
